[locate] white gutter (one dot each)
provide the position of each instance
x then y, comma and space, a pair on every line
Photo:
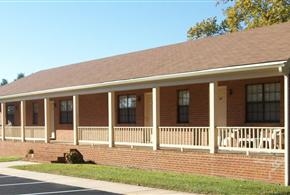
232, 69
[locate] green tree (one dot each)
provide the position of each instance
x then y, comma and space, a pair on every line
19, 76
4, 82
243, 14
247, 14
205, 28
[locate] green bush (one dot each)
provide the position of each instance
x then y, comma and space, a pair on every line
30, 151
74, 157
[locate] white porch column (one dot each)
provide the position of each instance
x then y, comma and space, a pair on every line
46, 120
23, 119
286, 126
156, 117
111, 117
3, 116
212, 117
76, 118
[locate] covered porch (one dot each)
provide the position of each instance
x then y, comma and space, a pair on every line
183, 118
226, 115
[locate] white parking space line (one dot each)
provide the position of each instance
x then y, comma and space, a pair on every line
19, 184
57, 192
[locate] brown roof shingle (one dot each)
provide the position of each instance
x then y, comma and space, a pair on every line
265, 44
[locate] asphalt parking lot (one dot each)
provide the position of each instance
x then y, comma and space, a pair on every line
18, 185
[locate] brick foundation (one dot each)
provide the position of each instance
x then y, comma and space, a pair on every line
268, 168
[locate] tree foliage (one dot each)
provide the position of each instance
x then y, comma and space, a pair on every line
247, 14
205, 28
19, 76
243, 14
4, 82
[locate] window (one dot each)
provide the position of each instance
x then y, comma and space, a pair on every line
183, 106
35, 113
127, 109
10, 114
66, 112
263, 103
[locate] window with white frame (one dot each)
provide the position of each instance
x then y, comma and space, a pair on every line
127, 109
66, 112
263, 102
183, 106
35, 113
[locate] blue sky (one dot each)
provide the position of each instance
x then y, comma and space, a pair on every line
36, 35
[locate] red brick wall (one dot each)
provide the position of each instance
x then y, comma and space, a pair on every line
64, 135
199, 105
139, 106
93, 110
64, 132
269, 168
29, 112
236, 103
57, 123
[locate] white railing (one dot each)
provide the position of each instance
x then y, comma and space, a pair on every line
93, 135
13, 132
0, 131
34, 133
133, 136
258, 139
184, 137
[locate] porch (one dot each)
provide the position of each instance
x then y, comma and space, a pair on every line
204, 116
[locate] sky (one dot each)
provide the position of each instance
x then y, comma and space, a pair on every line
42, 34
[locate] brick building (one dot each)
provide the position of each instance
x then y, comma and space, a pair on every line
214, 106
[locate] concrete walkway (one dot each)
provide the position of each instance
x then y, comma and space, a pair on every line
79, 182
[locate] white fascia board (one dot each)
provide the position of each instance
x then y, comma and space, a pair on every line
208, 72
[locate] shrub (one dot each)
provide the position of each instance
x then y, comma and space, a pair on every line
30, 151
74, 157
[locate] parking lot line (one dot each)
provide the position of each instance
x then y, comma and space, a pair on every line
57, 192
18, 184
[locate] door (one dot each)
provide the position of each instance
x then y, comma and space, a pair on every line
147, 137
221, 117
52, 130
148, 109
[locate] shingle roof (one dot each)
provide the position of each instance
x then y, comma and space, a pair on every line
259, 45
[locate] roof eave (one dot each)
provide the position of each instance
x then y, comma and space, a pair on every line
281, 65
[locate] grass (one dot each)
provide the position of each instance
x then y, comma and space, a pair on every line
158, 179
9, 158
